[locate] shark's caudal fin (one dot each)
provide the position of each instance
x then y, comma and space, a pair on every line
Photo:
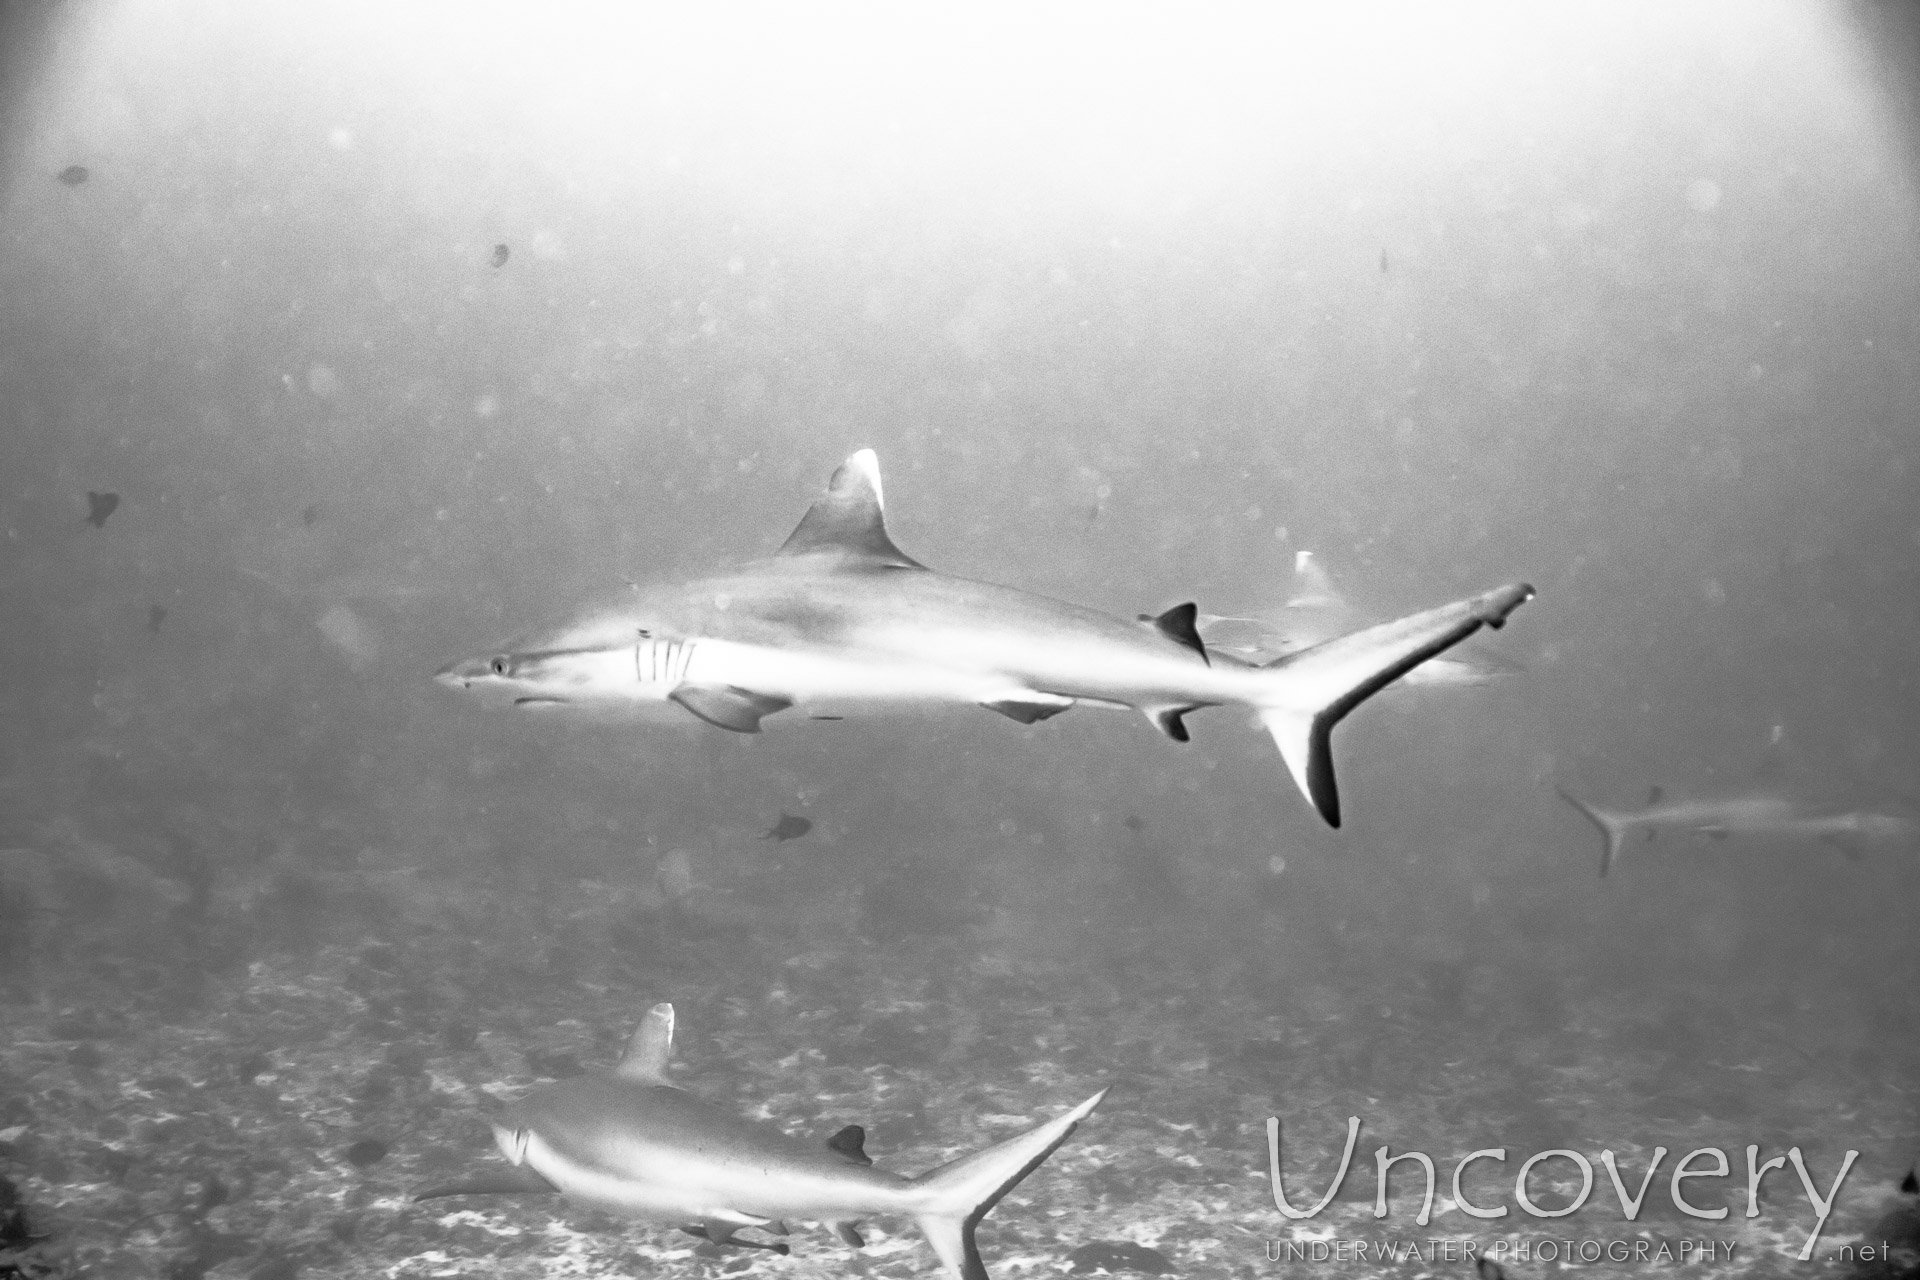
850, 520
954, 1197
1311, 691
1612, 827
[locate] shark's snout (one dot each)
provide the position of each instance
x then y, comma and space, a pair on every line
462, 674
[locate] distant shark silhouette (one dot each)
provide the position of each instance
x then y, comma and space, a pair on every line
841, 620
1757, 817
629, 1142
1316, 612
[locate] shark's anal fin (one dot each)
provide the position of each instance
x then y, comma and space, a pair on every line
1028, 705
851, 1143
518, 1181
1177, 624
650, 1049
1168, 719
727, 706
850, 520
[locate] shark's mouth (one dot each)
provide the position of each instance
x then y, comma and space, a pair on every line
538, 700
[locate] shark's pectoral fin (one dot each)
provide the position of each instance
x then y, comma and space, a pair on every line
720, 1231
727, 706
1028, 705
506, 1182
650, 1049
849, 1233
1714, 833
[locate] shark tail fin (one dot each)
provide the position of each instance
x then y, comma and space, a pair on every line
1612, 827
1306, 694
955, 1197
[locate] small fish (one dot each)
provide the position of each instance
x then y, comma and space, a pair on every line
500, 255
74, 174
366, 1152
310, 514
1910, 1185
1134, 823
1385, 262
99, 507
156, 615
788, 828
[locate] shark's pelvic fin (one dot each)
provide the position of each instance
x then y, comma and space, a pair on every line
1612, 828
1177, 624
850, 519
650, 1049
850, 1234
851, 1142
1324, 683
728, 706
1028, 705
956, 1196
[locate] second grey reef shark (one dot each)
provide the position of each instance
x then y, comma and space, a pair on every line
629, 1142
1758, 818
839, 621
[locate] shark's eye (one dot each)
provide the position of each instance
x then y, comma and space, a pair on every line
498, 666
644, 633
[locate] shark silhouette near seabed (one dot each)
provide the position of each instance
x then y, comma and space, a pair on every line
1759, 818
840, 621
1317, 611
629, 1142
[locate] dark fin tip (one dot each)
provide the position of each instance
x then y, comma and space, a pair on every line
1177, 624
851, 1143
1172, 724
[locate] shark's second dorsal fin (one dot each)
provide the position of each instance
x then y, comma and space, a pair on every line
650, 1049
1177, 625
1655, 794
851, 1142
850, 519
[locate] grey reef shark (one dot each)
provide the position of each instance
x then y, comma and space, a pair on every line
839, 621
1317, 611
630, 1142
1756, 818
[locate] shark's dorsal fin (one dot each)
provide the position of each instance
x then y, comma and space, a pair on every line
1177, 625
850, 520
851, 1143
1312, 586
650, 1049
